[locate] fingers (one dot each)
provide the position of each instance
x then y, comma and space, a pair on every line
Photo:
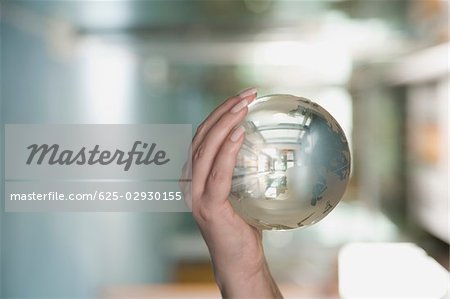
217, 134
218, 183
205, 126
186, 172
207, 150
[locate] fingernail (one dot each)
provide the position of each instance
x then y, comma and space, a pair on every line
248, 92
238, 107
237, 134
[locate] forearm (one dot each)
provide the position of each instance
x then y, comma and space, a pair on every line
241, 283
236, 249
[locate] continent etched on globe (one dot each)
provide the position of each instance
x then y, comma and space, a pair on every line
294, 165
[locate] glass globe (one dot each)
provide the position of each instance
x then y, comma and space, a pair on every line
294, 165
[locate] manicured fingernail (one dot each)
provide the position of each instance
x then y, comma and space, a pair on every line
237, 134
238, 107
248, 92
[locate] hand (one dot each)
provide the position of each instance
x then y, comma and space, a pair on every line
236, 250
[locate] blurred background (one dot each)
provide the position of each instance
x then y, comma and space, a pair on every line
380, 67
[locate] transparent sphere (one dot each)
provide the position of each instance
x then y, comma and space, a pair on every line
294, 165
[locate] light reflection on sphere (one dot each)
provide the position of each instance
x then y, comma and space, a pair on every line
294, 165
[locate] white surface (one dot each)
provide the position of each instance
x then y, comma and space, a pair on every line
390, 270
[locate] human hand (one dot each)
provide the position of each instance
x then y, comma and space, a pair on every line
235, 247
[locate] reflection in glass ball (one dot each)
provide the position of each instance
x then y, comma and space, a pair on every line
294, 165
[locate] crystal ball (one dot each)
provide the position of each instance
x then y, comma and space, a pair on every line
293, 166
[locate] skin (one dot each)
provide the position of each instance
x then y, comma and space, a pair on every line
236, 249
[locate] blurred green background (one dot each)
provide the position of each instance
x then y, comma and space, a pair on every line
380, 67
